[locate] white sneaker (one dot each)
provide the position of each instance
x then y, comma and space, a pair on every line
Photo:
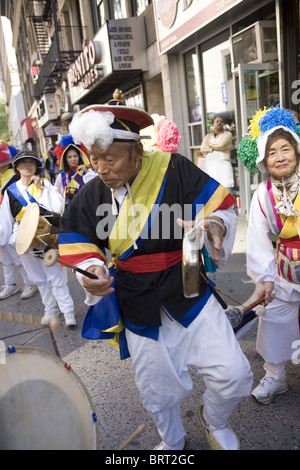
28, 291
47, 317
8, 291
180, 445
268, 388
70, 319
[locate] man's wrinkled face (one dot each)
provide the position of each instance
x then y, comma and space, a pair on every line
118, 164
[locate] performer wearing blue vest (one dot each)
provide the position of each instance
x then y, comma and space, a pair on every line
139, 304
30, 188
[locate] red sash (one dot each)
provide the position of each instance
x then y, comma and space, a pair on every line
150, 263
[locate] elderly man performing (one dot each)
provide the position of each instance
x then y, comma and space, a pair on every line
142, 302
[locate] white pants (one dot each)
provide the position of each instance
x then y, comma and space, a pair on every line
277, 331
11, 262
52, 282
163, 378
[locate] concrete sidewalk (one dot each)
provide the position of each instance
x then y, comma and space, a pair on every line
111, 386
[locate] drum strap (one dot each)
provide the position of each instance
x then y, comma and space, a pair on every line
154, 262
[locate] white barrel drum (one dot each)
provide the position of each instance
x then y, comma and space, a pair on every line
43, 404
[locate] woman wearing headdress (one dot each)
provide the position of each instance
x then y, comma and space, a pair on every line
52, 281
74, 164
273, 147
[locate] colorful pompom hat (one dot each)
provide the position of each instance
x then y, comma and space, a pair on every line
252, 148
163, 135
7, 153
64, 144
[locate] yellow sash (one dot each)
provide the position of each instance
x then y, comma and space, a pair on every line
6, 176
289, 229
144, 191
35, 192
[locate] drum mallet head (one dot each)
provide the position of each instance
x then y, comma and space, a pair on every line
236, 316
54, 323
50, 257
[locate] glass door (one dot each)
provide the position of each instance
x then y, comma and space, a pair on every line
258, 86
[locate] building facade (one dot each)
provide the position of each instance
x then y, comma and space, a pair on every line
189, 60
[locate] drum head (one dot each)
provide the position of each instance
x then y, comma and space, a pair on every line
28, 227
43, 404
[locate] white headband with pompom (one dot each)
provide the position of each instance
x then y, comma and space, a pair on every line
93, 128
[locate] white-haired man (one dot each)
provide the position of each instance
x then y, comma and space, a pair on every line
141, 302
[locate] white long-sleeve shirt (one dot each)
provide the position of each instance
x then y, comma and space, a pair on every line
49, 198
261, 259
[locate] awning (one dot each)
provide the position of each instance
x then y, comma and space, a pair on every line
27, 130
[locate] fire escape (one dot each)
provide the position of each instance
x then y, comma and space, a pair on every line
57, 54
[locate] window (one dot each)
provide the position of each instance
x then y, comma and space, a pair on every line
98, 14
100, 11
193, 94
117, 9
139, 6
134, 98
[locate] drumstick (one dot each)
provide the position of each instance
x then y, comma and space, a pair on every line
81, 271
29, 319
52, 257
136, 433
21, 318
213, 290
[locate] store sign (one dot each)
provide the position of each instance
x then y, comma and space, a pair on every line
84, 69
128, 44
120, 45
177, 19
46, 109
53, 130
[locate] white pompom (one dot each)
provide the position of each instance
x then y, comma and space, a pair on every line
92, 126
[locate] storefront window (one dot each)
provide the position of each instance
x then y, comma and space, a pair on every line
218, 89
194, 106
135, 98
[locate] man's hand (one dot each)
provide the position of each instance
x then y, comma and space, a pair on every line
215, 232
100, 286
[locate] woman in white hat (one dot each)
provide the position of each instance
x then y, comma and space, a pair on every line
274, 147
30, 188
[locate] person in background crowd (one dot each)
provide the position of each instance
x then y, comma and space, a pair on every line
50, 166
73, 163
140, 306
8, 256
31, 188
273, 146
216, 150
42, 160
